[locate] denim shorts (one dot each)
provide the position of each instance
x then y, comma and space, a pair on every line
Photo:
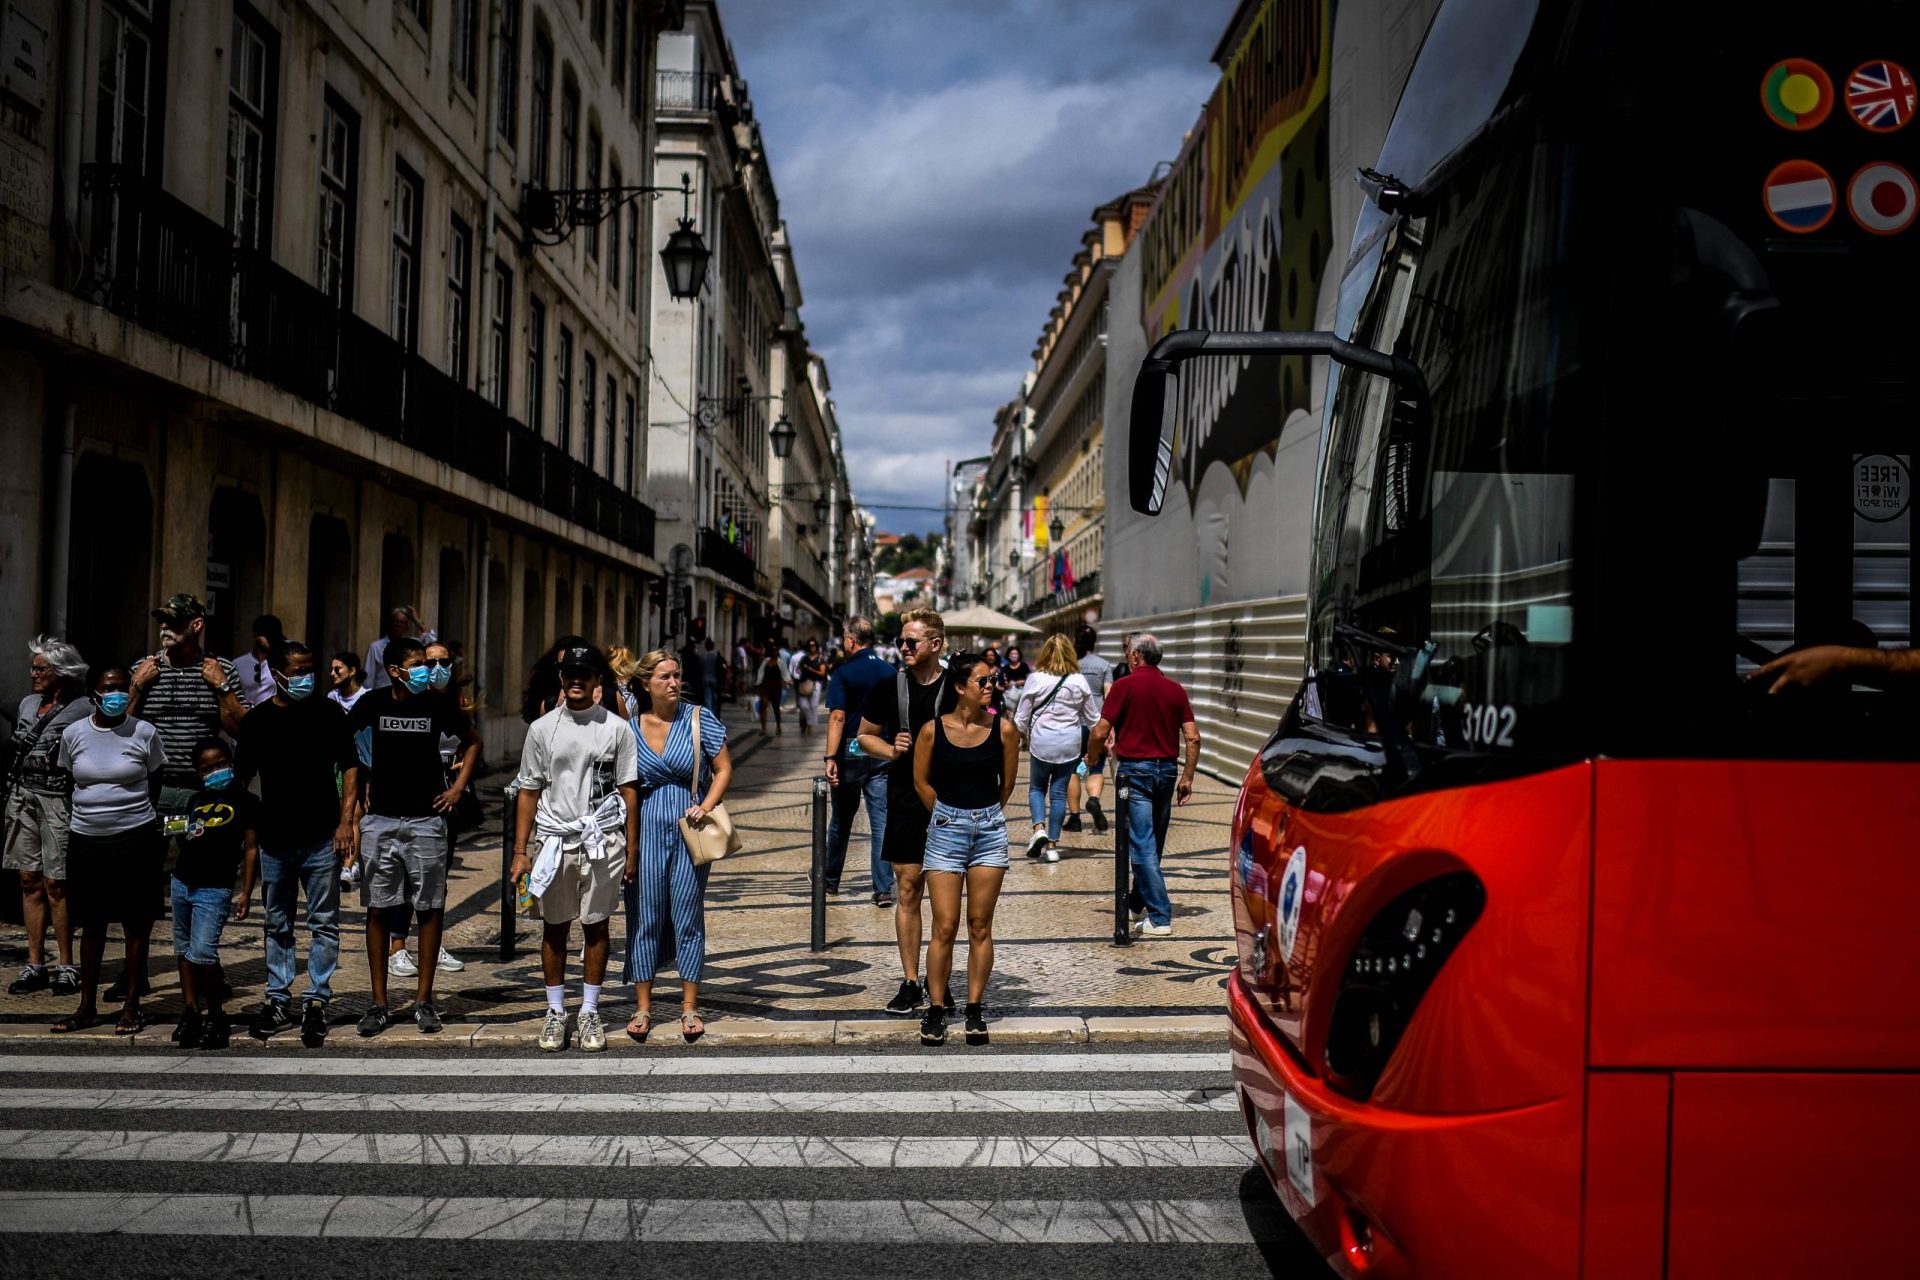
959, 839
198, 917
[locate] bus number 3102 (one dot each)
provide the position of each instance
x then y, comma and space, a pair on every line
1486, 726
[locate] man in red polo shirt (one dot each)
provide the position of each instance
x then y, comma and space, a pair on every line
1145, 720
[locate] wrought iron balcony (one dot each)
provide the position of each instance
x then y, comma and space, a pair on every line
688, 91
721, 556
1083, 589
790, 580
168, 267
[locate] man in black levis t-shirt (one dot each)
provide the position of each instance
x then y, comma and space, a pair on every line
404, 833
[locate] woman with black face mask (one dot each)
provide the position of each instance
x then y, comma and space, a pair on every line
115, 852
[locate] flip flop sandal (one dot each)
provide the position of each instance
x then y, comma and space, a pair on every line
692, 1027
130, 1028
645, 1022
75, 1022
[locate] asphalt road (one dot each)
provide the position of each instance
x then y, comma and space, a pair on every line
947, 1163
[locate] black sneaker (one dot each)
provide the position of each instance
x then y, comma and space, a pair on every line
1099, 814
313, 1025
33, 977
425, 1018
66, 980
374, 1020
976, 1025
1072, 823
188, 1031
218, 1030
906, 1000
933, 1025
274, 1017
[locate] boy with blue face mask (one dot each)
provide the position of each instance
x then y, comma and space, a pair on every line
297, 744
403, 835
221, 822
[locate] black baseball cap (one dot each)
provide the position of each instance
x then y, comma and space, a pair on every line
580, 658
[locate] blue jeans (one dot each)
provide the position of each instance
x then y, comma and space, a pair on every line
710, 697
1149, 808
845, 803
198, 917
286, 873
1047, 793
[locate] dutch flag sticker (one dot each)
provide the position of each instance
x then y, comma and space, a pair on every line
1881, 198
1800, 196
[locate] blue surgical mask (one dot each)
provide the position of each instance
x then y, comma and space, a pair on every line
419, 679
441, 677
219, 779
299, 687
114, 703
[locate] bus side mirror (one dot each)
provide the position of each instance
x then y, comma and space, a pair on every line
1150, 434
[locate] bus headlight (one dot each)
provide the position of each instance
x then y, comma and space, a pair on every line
1389, 971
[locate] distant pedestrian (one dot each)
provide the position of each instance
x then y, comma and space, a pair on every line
1146, 720
256, 668
39, 796
1016, 672
964, 764
185, 695
401, 622
1054, 716
666, 900
578, 796
770, 683
712, 670
221, 841
115, 853
890, 723
809, 674
1098, 672
403, 836
851, 772
348, 681
302, 751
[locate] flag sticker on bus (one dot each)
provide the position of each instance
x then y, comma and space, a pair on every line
1797, 94
1881, 96
1800, 196
1881, 198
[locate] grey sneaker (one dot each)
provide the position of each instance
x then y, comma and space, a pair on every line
593, 1034
448, 962
553, 1032
401, 964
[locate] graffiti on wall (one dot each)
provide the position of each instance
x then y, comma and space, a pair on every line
1240, 235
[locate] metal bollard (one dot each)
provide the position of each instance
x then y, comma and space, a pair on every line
819, 904
509, 892
1122, 866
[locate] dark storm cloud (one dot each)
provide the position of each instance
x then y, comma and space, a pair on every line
936, 163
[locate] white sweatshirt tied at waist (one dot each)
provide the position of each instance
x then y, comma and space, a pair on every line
589, 831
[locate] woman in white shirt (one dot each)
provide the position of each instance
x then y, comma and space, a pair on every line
115, 852
1055, 704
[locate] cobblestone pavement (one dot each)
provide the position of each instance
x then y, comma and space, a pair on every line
1055, 957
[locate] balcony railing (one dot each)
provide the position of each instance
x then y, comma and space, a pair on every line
687, 91
790, 580
171, 269
1083, 589
721, 556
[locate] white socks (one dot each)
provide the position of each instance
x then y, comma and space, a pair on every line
557, 998
589, 997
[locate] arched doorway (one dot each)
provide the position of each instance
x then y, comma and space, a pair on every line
110, 588
396, 578
329, 626
562, 607
493, 681
533, 612
236, 570
451, 614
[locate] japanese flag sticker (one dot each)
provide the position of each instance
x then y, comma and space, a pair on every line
1882, 198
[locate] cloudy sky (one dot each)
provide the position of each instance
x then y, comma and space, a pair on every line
936, 161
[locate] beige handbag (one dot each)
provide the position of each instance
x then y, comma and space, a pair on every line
715, 837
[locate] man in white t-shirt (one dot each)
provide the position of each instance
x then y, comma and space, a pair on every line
579, 772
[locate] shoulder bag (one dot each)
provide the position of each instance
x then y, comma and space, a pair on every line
715, 836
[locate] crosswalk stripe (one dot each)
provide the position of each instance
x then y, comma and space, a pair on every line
622, 1064
903, 1102
890, 1222
629, 1151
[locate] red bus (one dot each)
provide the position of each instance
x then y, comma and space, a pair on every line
1565, 947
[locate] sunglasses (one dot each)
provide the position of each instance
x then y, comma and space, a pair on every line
42, 669
985, 682
908, 642
444, 664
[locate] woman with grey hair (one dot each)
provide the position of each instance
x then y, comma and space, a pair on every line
39, 792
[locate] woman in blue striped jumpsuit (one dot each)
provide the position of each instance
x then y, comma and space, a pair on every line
668, 891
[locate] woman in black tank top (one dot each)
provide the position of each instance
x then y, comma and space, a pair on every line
963, 769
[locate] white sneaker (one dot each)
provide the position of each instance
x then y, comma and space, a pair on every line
447, 964
1037, 839
1147, 929
1053, 853
593, 1033
401, 964
553, 1032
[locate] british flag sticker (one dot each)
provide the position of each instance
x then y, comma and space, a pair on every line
1882, 198
1800, 196
1881, 95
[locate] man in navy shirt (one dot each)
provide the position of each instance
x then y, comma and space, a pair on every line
851, 773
